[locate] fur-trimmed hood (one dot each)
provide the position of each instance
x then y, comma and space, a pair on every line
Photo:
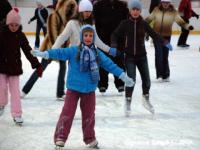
69, 11
65, 10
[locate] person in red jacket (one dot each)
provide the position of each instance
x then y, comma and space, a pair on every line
186, 12
12, 41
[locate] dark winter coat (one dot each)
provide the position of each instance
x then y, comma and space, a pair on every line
185, 9
153, 4
132, 32
5, 7
44, 14
10, 53
108, 14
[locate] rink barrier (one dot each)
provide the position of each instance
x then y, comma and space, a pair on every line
175, 32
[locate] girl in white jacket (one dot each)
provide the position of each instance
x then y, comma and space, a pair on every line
72, 29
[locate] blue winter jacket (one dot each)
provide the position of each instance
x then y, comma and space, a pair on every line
77, 80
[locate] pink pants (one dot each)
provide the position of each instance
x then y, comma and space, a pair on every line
10, 83
87, 105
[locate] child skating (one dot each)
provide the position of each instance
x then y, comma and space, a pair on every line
12, 39
82, 79
133, 30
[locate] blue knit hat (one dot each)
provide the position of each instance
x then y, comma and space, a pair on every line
134, 4
86, 27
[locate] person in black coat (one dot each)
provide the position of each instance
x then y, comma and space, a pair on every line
5, 7
41, 15
153, 4
108, 14
12, 42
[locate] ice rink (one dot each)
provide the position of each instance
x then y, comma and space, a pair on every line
175, 126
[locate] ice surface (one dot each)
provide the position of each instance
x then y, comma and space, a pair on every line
175, 125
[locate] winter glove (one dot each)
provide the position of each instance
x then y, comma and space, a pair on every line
36, 53
39, 71
169, 46
45, 25
147, 37
191, 28
112, 52
197, 16
128, 81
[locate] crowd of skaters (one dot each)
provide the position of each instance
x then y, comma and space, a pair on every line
115, 27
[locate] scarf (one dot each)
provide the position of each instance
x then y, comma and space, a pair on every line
88, 61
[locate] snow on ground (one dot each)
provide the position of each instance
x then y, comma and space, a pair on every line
175, 125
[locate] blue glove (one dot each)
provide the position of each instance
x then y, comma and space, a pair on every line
169, 46
128, 81
112, 52
36, 53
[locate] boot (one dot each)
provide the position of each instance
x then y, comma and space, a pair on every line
127, 106
1, 110
93, 144
18, 120
146, 103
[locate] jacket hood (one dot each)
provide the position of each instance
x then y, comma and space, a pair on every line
86, 27
66, 9
170, 8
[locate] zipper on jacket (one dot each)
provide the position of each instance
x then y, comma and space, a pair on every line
134, 50
126, 42
161, 27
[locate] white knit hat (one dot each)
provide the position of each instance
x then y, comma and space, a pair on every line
85, 5
39, 2
166, 1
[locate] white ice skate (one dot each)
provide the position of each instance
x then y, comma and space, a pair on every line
59, 145
93, 145
166, 80
22, 94
159, 79
61, 98
1, 110
18, 120
127, 107
146, 103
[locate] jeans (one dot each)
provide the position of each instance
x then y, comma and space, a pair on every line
142, 65
38, 28
61, 78
184, 34
161, 60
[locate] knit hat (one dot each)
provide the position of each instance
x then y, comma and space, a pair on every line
13, 16
85, 5
134, 4
86, 28
38, 2
166, 1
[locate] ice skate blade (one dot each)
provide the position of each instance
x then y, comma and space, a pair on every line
59, 148
127, 114
93, 145
151, 110
19, 124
